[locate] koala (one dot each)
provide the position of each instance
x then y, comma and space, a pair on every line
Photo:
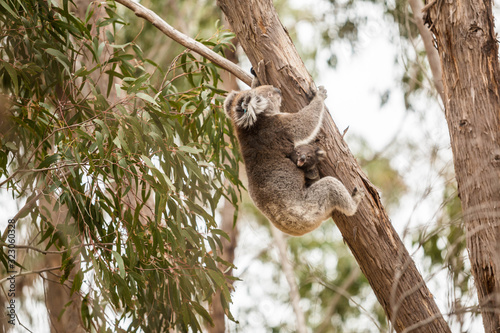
307, 158
278, 188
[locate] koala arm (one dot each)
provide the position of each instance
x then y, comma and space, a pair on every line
304, 126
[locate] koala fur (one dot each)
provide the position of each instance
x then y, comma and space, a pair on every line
307, 157
275, 184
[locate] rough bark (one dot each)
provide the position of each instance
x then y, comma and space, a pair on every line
372, 239
467, 46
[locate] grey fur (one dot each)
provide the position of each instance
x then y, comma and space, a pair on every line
275, 184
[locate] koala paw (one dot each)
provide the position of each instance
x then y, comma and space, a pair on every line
357, 195
322, 92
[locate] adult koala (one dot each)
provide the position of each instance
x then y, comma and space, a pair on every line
267, 137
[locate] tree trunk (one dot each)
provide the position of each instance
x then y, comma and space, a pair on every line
467, 45
375, 244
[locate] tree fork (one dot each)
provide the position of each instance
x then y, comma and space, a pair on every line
468, 49
381, 255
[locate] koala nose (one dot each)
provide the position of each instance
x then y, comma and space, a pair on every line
277, 90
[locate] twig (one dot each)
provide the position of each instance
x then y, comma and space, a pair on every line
186, 41
29, 247
290, 277
432, 53
30, 272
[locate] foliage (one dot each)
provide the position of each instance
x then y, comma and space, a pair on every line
346, 26
444, 244
139, 166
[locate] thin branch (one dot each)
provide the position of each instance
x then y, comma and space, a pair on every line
29, 247
347, 295
30, 272
186, 41
332, 307
290, 277
432, 53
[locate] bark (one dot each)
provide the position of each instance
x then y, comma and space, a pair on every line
467, 46
375, 244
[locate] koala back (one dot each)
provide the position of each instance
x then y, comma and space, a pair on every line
265, 145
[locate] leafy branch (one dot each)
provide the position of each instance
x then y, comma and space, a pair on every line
186, 41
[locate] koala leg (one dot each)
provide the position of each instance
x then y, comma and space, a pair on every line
330, 194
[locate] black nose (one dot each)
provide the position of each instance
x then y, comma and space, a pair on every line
277, 90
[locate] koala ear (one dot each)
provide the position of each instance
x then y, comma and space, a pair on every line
251, 107
228, 103
321, 154
257, 105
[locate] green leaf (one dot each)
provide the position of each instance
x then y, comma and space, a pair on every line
202, 312
192, 150
13, 76
99, 139
48, 161
7, 8
147, 98
119, 261
60, 57
77, 282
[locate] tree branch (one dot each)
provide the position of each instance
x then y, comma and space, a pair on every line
186, 41
33, 248
432, 53
290, 277
31, 272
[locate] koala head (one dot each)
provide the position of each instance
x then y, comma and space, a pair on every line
244, 107
306, 156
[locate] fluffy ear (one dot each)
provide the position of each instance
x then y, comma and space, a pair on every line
321, 154
257, 105
228, 103
247, 112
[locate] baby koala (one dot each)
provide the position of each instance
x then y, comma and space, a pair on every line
307, 157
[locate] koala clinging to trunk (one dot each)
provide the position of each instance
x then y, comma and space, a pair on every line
275, 184
307, 158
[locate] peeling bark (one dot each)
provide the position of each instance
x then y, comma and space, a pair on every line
468, 49
381, 255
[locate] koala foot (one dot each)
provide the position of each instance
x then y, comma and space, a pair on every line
322, 92
357, 195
